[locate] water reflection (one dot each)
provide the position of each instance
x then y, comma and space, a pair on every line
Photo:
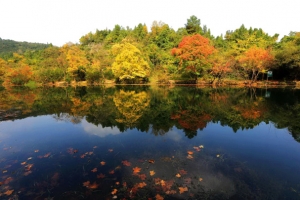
144, 142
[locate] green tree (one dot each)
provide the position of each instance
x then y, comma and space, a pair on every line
193, 25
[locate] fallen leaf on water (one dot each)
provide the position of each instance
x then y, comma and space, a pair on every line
75, 151
90, 153
201, 146
182, 172
158, 197
136, 170
117, 183
171, 192
190, 152
178, 175
86, 184
94, 170
102, 163
111, 172
189, 157
23, 163
200, 179
114, 191
29, 158
36, 150
152, 173
118, 167
7, 180
197, 148
94, 147
110, 150
182, 189
47, 155
27, 173
8, 192
151, 161
100, 175
115, 197
142, 177
4, 171
218, 155
162, 183
126, 163
141, 185
93, 186
82, 156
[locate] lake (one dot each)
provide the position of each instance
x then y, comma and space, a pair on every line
142, 142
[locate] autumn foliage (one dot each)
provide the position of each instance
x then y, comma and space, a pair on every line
194, 53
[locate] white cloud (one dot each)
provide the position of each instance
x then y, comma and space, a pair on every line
99, 130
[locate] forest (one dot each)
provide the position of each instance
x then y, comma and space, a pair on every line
158, 54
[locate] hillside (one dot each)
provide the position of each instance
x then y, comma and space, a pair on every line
7, 47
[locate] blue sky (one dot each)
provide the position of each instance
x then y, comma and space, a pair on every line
62, 21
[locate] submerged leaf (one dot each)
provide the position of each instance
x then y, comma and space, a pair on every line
94, 170
102, 163
152, 173
8, 192
182, 189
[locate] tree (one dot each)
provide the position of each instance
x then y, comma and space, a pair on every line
220, 67
76, 60
194, 54
129, 63
255, 60
193, 25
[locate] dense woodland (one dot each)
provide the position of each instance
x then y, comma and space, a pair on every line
156, 54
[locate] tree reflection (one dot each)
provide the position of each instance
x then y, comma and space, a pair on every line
157, 109
131, 106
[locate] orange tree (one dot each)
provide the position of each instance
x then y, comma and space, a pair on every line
256, 60
194, 54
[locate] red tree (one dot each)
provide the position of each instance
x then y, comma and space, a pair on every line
194, 53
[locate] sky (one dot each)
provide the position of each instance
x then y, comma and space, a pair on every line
62, 21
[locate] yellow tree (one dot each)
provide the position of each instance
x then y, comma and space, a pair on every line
129, 63
76, 59
3, 66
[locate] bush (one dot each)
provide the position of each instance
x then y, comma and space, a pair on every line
31, 84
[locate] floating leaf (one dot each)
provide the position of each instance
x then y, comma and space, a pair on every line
118, 167
178, 175
143, 177
94, 170
47, 155
182, 189
8, 192
182, 172
200, 179
111, 172
197, 148
100, 175
114, 191
36, 150
152, 173
158, 197
23, 163
189, 157
90, 153
201, 146
162, 183
218, 155
126, 163
136, 170
86, 184
151, 161
29, 158
93, 186
110, 150
190, 152
102, 163
140, 185
94, 147
27, 173
82, 156
75, 150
